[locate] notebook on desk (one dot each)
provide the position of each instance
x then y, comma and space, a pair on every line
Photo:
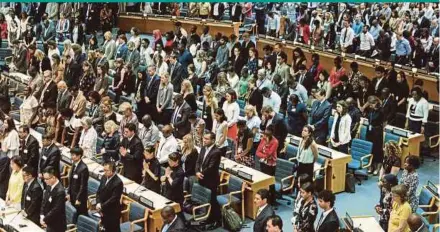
349, 222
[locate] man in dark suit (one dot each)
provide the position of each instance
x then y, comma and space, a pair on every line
64, 96
92, 17
48, 33
304, 78
78, 181
53, 209
29, 149
264, 210
433, 55
342, 91
389, 106
171, 222
280, 87
49, 92
173, 179
415, 223
207, 166
32, 195
319, 115
132, 151
149, 94
19, 56
329, 221
177, 72
50, 156
101, 60
235, 11
72, 72
179, 120
270, 117
255, 96
246, 45
108, 198
5, 173
380, 81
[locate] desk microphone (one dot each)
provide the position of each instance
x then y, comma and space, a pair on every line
10, 222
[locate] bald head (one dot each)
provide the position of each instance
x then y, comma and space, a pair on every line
414, 222
168, 214
167, 130
146, 120
62, 85
350, 101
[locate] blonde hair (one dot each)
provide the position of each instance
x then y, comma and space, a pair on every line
108, 34
188, 86
392, 148
39, 54
251, 108
110, 126
124, 106
189, 146
166, 75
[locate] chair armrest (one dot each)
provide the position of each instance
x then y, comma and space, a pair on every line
71, 226
431, 144
426, 206
71, 230
233, 193
137, 221
287, 178
369, 163
318, 170
186, 197
199, 207
293, 159
224, 184
429, 213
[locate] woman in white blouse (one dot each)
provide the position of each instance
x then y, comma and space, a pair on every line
11, 141
88, 138
233, 79
340, 135
29, 107
161, 66
232, 112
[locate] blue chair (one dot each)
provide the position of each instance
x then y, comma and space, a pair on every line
242, 105
426, 201
291, 152
86, 224
361, 158
92, 188
235, 194
362, 133
284, 178
388, 136
137, 218
431, 227
64, 173
319, 174
71, 215
201, 197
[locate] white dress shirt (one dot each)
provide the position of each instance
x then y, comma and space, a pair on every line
87, 142
166, 147
273, 101
347, 36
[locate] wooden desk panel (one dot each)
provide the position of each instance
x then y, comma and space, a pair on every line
367, 223
411, 144
367, 68
147, 25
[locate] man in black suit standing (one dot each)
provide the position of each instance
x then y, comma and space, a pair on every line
132, 151
5, 173
329, 221
171, 222
49, 92
149, 94
19, 56
29, 147
264, 210
108, 198
78, 181
179, 120
207, 166
246, 45
32, 195
64, 98
320, 113
177, 72
380, 81
270, 117
53, 209
389, 106
50, 156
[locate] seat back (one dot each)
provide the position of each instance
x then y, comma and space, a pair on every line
291, 151
360, 148
425, 197
388, 136
322, 162
330, 124
362, 132
200, 194
92, 186
86, 224
284, 168
71, 213
137, 211
235, 184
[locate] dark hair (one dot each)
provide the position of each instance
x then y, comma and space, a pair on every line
338, 59
299, 51
48, 136
130, 127
418, 90
25, 128
149, 149
192, 116
30, 170
265, 90
418, 82
276, 221
49, 170
95, 95
241, 123
264, 193
283, 55
66, 112
308, 187
325, 74
77, 151
321, 92
175, 156
354, 65
211, 135
309, 140
222, 115
233, 94
146, 41
111, 164
301, 67
379, 69
11, 124
17, 160
327, 196
413, 160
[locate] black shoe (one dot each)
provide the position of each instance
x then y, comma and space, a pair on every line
214, 226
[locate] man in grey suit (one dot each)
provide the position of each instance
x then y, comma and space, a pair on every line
264, 210
319, 115
109, 48
48, 31
133, 57
179, 120
64, 97
19, 56
282, 68
52, 11
416, 224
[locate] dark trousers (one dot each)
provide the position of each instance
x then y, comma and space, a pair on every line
342, 148
401, 59
269, 170
415, 126
165, 117
303, 168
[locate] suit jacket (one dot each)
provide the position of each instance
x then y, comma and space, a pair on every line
307, 81
284, 71
209, 167
101, 61
30, 153
78, 105
19, 59
51, 157
382, 84
31, 200
151, 89
134, 159
134, 58
72, 73
280, 129
330, 223
53, 208
52, 11
236, 15
180, 120
109, 196
121, 51
109, 49
389, 108
78, 182
50, 94
245, 49
174, 191
319, 117
48, 34
261, 219
64, 99
177, 226
5, 173
177, 74
256, 99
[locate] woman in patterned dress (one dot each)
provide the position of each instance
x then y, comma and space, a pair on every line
385, 204
410, 178
305, 215
244, 145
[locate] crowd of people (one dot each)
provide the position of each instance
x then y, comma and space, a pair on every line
180, 102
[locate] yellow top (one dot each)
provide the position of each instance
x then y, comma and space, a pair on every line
399, 212
15, 187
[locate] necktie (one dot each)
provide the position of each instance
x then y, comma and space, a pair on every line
345, 34
320, 221
259, 211
318, 105
176, 113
